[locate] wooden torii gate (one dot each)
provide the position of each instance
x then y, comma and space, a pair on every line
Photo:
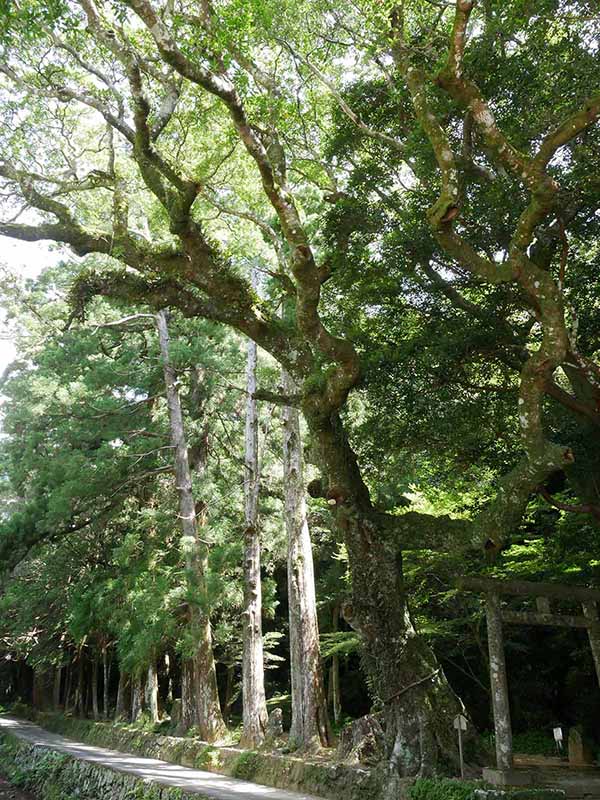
543, 593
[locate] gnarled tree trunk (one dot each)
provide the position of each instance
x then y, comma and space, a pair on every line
403, 671
310, 725
199, 680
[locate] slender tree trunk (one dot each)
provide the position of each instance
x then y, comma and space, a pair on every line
58, 670
106, 676
310, 724
189, 710
78, 705
229, 692
169, 680
123, 704
202, 676
403, 671
253, 674
137, 698
68, 682
94, 688
43, 688
335, 700
152, 692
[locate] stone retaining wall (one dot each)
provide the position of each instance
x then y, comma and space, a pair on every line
321, 778
57, 776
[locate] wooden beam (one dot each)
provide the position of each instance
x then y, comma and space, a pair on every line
549, 620
560, 591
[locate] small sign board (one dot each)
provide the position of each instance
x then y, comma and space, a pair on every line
558, 734
460, 722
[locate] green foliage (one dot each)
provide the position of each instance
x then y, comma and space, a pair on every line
339, 643
536, 743
86, 486
442, 789
246, 765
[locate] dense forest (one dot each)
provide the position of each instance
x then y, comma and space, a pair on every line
320, 334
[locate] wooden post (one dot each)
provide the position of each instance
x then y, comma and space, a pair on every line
590, 612
499, 683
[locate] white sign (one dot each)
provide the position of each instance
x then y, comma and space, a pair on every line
460, 722
558, 734
460, 725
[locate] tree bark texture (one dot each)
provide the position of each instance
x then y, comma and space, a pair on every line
94, 688
43, 688
402, 670
169, 674
151, 692
58, 671
335, 698
123, 704
68, 682
79, 704
105, 685
310, 724
137, 698
200, 679
590, 611
253, 674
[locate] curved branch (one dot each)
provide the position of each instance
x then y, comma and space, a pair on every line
586, 508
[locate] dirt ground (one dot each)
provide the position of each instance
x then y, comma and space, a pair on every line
8, 792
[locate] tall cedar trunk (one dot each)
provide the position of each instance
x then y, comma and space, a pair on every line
137, 697
123, 704
310, 724
403, 672
229, 692
189, 711
151, 692
58, 670
105, 675
335, 699
94, 688
43, 688
253, 675
67, 695
78, 705
200, 678
169, 680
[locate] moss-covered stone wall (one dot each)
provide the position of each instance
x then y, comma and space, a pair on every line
321, 778
56, 776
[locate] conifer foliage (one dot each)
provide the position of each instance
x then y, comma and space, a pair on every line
332, 314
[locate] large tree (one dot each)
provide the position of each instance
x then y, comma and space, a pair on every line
164, 112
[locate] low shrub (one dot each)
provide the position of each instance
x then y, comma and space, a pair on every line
442, 789
534, 743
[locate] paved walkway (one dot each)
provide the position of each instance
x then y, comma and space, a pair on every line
150, 770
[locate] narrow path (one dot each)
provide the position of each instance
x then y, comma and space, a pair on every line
150, 770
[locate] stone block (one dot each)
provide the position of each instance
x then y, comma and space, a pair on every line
580, 753
508, 777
